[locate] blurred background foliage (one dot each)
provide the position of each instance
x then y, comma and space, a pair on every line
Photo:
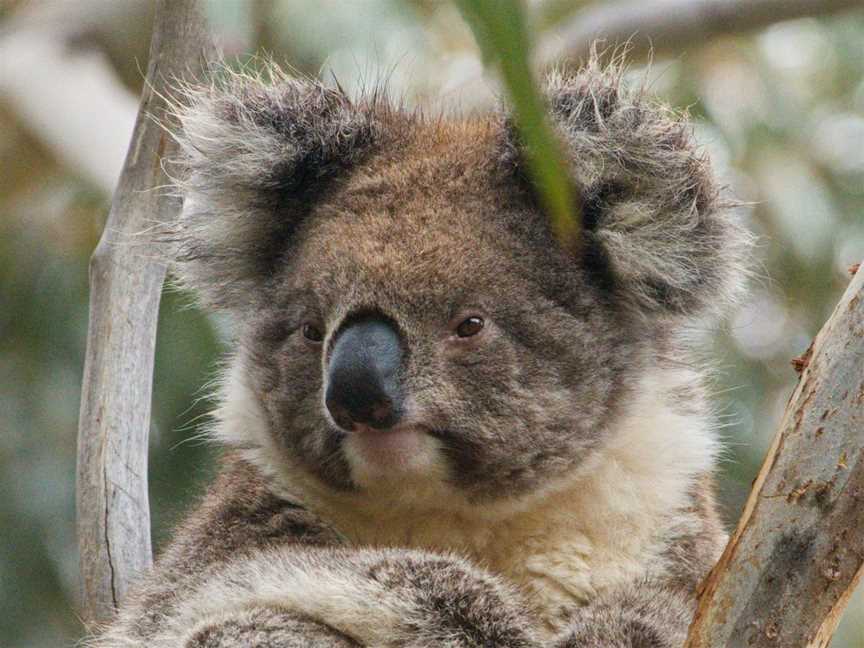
781, 112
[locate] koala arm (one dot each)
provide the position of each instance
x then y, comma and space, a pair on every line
374, 598
249, 568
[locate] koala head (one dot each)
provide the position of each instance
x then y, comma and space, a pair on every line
404, 310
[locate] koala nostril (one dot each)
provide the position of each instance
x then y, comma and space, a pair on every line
340, 414
363, 385
381, 414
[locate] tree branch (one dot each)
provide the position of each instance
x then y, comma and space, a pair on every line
112, 497
673, 26
798, 552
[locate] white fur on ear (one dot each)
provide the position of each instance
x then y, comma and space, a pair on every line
253, 155
650, 202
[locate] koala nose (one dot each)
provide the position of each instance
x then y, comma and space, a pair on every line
363, 377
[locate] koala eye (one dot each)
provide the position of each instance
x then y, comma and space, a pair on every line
312, 333
470, 326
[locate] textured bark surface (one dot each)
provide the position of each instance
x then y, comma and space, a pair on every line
798, 552
125, 287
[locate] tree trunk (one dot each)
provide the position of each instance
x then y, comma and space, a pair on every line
125, 284
798, 552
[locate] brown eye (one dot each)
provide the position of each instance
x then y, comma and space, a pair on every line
469, 327
312, 333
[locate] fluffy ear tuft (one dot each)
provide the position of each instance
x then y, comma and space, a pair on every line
254, 156
650, 206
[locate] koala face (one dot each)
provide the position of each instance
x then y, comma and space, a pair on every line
425, 320
405, 312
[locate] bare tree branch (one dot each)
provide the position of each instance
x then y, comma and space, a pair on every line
673, 26
798, 552
112, 497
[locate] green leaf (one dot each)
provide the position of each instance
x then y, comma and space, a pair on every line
501, 32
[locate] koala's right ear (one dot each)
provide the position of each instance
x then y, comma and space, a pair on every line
254, 157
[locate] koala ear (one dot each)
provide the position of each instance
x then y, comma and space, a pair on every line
651, 211
254, 157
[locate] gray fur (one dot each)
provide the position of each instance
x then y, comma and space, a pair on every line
649, 196
303, 206
253, 156
268, 628
240, 531
646, 615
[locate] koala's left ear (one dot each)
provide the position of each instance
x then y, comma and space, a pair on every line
651, 210
255, 156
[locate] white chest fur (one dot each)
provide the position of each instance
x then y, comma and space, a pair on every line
600, 528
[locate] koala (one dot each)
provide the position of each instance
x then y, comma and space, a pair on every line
442, 426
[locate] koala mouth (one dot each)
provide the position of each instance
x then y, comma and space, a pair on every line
399, 451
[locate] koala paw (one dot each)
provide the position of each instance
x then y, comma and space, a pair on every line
453, 604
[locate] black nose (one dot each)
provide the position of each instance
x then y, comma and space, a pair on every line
363, 377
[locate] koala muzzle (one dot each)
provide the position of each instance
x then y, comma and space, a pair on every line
364, 375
